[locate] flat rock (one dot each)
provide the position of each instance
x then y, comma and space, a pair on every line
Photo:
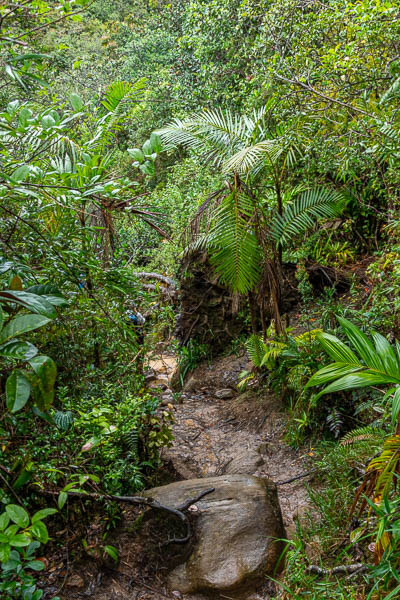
237, 527
224, 394
247, 462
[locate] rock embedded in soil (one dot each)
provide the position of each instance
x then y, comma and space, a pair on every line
236, 531
224, 394
246, 462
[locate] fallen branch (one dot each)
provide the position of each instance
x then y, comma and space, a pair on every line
150, 502
295, 478
339, 570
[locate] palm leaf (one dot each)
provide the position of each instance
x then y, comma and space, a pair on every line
312, 205
234, 250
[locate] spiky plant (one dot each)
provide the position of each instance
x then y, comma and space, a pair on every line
374, 362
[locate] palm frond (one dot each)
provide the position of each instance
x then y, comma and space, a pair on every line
251, 157
312, 205
234, 250
121, 92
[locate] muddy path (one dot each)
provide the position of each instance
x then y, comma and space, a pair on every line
216, 431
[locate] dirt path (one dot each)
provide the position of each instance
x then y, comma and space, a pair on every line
217, 431
240, 434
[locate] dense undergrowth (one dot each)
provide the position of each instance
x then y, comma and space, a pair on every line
261, 133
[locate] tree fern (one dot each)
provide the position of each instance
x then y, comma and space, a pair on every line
311, 205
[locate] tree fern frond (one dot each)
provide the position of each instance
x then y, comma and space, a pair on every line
314, 204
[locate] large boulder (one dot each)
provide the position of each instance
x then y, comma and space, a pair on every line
236, 531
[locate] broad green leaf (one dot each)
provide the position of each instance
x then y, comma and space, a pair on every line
39, 531
358, 380
5, 550
62, 498
156, 143
148, 168
112, 551
42, 514
396, 405
18, 390
332, 372
147, 149
49, 292
18, 515
45, 368
21, 173
17, 349
76, 102
337, 350
35, 565
22, 324
4, 521
136, 154
363, 345
34, 303
20, 540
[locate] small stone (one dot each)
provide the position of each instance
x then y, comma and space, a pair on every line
263, 448
224, 394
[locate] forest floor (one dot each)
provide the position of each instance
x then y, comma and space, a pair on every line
213, 435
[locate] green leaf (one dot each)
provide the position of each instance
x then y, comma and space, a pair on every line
112, 551
21, 173
42, 514
45, 368
76, 102
156, 143
39, 531
136, 154
62, 498
4, 521
35, 565
147, 149
19, 540
18, 390
5, 550
17, 349
22, 324
18, 515
49, 292
337, 350
34, 303
396, 405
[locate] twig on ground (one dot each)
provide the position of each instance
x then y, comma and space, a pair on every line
295, 478
339, 570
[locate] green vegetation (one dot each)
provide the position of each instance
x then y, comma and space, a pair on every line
262, 134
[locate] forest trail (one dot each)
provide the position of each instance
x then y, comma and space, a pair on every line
213, 435
242, 433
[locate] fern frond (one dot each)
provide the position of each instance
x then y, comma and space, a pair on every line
369, 432
132, 441
312, 205
256, 349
